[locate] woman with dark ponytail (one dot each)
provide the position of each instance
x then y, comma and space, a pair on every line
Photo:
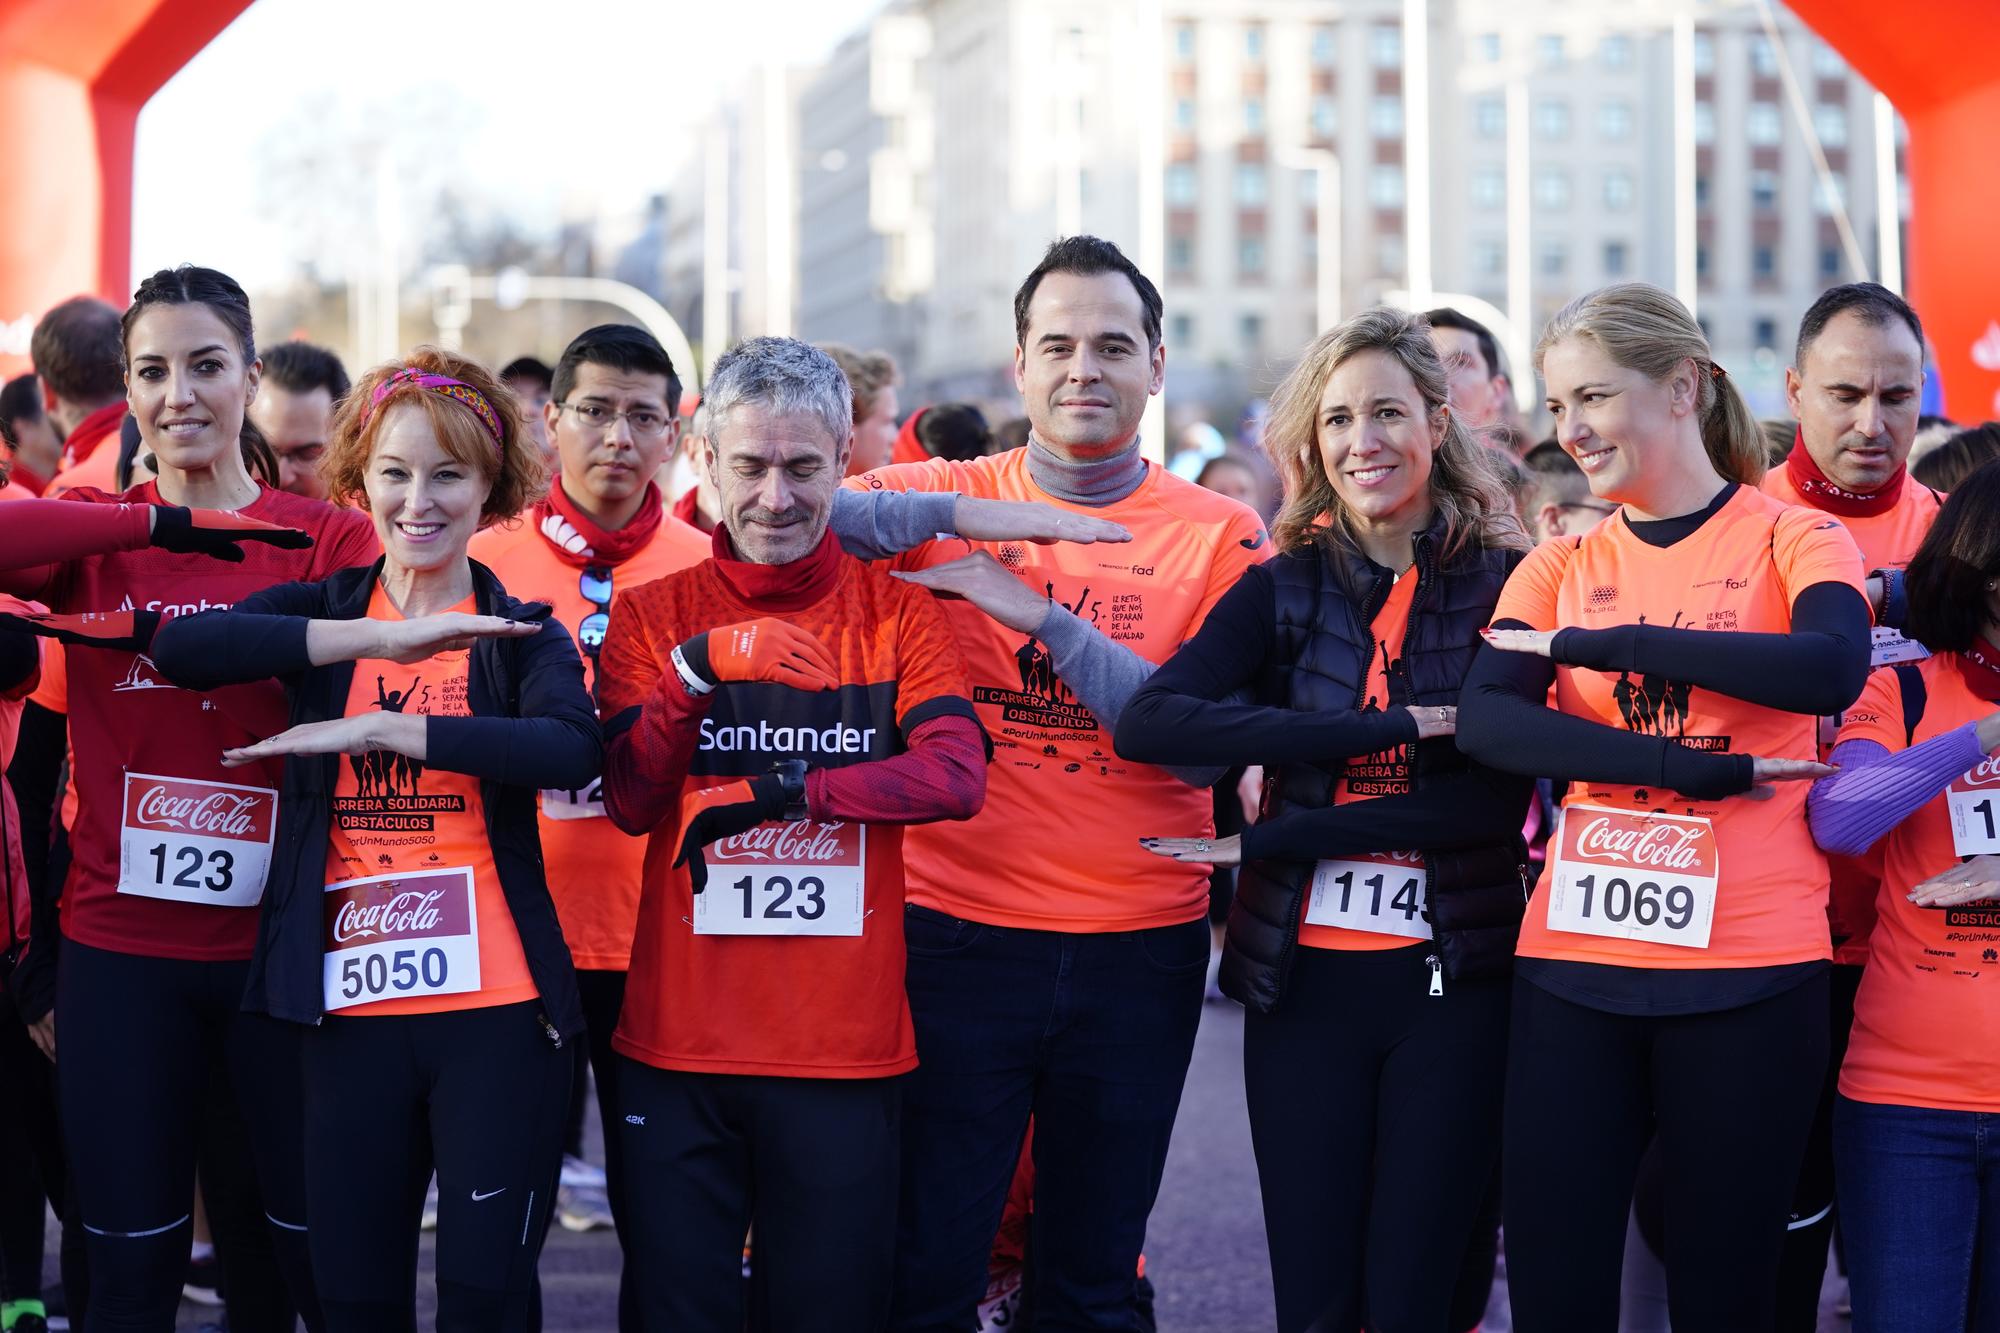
1672, 976
170, 846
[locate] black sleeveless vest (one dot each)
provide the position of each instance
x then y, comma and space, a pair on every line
1326, 598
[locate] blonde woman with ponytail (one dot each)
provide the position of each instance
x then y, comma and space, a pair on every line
1670, 664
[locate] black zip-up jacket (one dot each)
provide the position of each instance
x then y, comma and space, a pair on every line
532, 726
1298, 630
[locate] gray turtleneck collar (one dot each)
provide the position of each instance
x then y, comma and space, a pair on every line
1106, 481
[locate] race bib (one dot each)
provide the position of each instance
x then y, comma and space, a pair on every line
1975, 823
389, 936
1634, 875
582, 803
193, 841
1384, 893
798, 878
1886, 647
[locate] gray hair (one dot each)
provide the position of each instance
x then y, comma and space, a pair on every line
783, 376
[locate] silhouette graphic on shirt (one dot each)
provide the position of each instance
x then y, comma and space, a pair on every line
385, 772
1653, 705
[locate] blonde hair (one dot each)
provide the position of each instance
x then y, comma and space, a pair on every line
1465, 489
1643, 328
868, 373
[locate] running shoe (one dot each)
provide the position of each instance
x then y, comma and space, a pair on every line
429, 1221
202, 1285
583, 1208
576, 1171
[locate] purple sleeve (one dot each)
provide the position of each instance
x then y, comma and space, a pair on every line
1875, 790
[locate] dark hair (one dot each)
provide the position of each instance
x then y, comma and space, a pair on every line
1946, 467
192, 285
956, 431
1870, 302
1946, 579
1085, 256
1550, 460
21, 400
625, 347
75, 351
532, 368
1011, 434
301, 367
1780, 434
1928, 420
1444, 317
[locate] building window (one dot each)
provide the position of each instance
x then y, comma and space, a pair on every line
1182, 190
1764, 190
1763, 56
1615, 51
1552, 189
1250, 256
1326, 48
1325, 117
1830, 124
1385, 117
1253, 41
1552, 118
1549, 50
1184, 41
1180, 255
1763, 124
1763, 262
1184, 114
1552, 259
1389, 255
1253, 187
1829, 262
1704, 122
1618, 190
1385, 185
1385, 46
1704, 53
1701, 193
1489, 116
1766, 335
1183, 330
1488, 45
1253, 116
1251, 329
1827, 62
1617, 258
1830, 195
1614, 121
1489, 188
1489, 257
1701, 265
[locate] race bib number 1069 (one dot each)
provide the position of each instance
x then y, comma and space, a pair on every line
1634, 874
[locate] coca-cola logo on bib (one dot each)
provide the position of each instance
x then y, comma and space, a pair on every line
199, 808
1645, 844
1985, 773
372, 911
803, 842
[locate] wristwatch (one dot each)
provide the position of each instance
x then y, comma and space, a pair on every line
792, 774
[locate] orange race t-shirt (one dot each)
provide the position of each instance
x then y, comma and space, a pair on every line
1887, 541
820, 993
1383, 774
593, 869
1057, 845
1927, 1018
413, 898
1737, 573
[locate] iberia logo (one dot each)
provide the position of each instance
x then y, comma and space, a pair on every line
204, 809
1639, 841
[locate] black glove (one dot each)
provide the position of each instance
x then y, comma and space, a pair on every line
724, 812
130, 630
218, 533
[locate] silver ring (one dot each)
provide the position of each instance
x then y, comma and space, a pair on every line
1201, 844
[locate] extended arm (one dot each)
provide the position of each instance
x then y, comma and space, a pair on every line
647, 751
1473, 809
40, 535
554, 741
1877, 789
942, 775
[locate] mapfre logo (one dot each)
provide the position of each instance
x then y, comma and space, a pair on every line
202, 809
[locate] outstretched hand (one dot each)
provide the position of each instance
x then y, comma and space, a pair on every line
218, 533
1030, 521
424, 637
1767, 772
1970, 881
988, 585
1198, 851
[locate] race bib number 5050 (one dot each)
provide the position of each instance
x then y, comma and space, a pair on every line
192, 841
389, 936
1633, 874
800, 878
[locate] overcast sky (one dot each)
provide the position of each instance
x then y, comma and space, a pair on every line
534, 91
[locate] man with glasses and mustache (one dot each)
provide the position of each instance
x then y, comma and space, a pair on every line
604, 529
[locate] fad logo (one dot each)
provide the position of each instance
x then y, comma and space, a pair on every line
200, 809
1145, 570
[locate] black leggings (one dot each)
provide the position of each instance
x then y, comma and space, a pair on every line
157, 1064
33, 1176
1731, 1097
603, 993
479, 1095
1802, 1270
1375, 1115
812, 1162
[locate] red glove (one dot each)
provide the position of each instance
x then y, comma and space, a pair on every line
715, 813
218, 533
130, 630
764, 649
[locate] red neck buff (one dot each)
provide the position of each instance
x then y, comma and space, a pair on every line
688, 508
578, 540
1823, 493
789, 587
1980, 666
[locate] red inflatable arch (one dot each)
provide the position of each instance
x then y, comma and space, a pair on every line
74, 73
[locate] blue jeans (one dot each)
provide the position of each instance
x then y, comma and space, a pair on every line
1920, 1205
1089, 1034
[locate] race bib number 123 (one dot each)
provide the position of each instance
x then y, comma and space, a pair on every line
192, 841
799, 878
